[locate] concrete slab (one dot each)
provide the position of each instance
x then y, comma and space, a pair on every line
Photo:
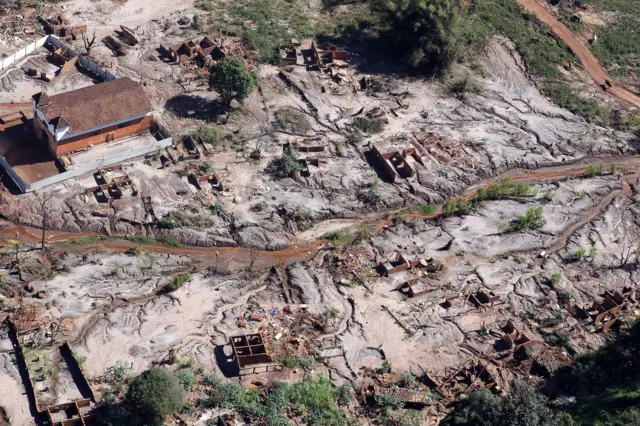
99, 155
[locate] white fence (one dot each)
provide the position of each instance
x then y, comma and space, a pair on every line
84, 62
90, 168
104, 75
30, 48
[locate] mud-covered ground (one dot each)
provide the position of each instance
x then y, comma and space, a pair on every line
112, 309
505, 124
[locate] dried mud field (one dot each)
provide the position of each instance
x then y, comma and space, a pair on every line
515, 236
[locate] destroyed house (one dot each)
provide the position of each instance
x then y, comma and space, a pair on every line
308, 54
93, 115
185, 51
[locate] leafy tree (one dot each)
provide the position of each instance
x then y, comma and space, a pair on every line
230, 78
155, 394
524, 406
427, 31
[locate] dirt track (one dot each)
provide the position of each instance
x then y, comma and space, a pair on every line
587, 59
236, 258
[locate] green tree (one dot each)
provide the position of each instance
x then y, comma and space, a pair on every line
230, 78
524, 406
427, 31
155, 394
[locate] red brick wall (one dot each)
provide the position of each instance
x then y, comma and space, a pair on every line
83, 141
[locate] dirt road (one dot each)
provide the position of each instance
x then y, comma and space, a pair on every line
583, 53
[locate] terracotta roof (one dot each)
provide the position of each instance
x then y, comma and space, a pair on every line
95, 106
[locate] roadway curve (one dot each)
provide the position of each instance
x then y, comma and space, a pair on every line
583, 53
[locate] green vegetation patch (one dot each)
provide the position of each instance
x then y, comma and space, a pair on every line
292, 121
178, 281
315, 399
532, 219
207, 135
263, 25
77, 243
618, 46
543, 55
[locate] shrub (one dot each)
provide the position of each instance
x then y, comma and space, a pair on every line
532, 219
292, 121
427, 209
177, 281
369, 125
285, 166
207, 166
168, 241
524, 406
354, 137
306, 363
462, 87
594, 170
207, 135
407, 380
259, 207
168, 223
155, 394
372, 195
449, 207
80, 359
505, 189
302, 214
186, 378
135, 250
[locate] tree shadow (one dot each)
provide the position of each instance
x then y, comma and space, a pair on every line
374, 54
194, 106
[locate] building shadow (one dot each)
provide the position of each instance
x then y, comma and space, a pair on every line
76, 373
226, 363
375, 163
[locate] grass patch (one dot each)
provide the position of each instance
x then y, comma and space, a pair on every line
207, 135
631, 7
618, 47
292, 121
505, 189
169, 241
541, 52
263, 26
427, 209
342, 237
306, 363
178, 219
369, 125
76, 243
